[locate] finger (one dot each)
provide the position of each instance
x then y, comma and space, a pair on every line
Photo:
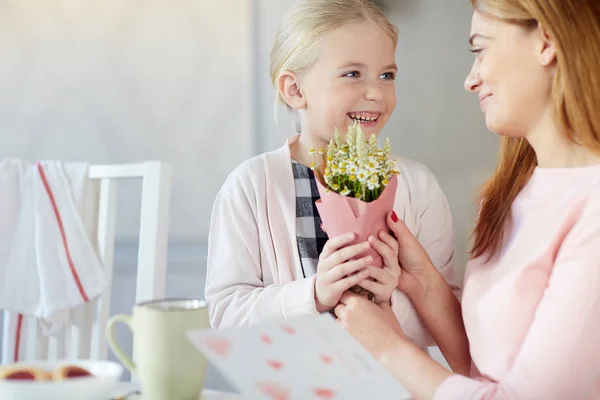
344, 284
373, 286
385, 306
348, 268
336, 243
389, 240
339, 310
383, 249
378, 273
399, 229
348, 296
347, 253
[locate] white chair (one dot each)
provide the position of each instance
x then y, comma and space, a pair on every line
84, 338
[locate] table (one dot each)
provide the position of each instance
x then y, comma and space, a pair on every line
207, 394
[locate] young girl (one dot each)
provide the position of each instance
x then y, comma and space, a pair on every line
332, 64
531, 302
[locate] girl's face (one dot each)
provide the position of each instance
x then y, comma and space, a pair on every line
352, 80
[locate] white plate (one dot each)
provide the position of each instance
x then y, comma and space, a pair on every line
105, 377
207, 394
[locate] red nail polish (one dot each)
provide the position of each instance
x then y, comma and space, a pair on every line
394, 216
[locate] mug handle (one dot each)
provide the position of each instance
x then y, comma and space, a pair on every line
112, 342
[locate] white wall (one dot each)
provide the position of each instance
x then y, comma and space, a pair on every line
436, 121
110, 81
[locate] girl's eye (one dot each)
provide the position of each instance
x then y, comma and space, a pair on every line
390, 76
353, 74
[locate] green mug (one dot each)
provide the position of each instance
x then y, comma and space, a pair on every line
166, 364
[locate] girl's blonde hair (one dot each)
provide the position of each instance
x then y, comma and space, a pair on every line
574, 28
296, 44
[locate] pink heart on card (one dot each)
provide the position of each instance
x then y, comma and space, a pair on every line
324, 393
326, 359
275, 364
288, 329
218, 345
274, 390
266, 339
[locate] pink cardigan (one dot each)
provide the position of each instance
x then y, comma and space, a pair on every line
533, 315
254, 271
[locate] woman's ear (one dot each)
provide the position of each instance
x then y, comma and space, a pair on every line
289, 88
546, 48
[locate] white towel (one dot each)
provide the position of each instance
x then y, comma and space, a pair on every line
47, 262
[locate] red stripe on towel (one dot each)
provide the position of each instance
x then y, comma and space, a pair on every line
18, 337
84, 296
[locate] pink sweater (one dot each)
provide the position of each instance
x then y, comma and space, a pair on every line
533, 314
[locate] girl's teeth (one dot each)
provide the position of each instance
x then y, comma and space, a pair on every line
362, 117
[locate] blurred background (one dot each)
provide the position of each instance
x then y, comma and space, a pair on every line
186, 82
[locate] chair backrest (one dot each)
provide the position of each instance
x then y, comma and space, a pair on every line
84, 336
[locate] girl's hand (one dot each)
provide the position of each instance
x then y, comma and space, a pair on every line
385, 280
335, 273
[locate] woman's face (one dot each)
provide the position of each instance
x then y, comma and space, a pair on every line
512, 74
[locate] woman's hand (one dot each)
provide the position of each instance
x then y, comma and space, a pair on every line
414, 261
374, 326
385, 280
335, 273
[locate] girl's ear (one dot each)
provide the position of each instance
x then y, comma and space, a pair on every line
289, 88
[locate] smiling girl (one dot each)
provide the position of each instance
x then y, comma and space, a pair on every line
332, 64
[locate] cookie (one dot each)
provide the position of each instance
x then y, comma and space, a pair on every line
23, 372
69, 371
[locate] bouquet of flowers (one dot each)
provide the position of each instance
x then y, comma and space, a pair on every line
357, 183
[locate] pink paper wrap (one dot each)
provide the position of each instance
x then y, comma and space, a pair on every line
342, 214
